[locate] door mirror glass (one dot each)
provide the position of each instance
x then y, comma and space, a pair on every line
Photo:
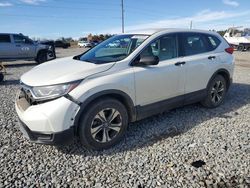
149, 60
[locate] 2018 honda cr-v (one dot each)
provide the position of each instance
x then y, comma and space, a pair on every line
93, 96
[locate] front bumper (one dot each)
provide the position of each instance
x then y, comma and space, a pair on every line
49, 122
59, 138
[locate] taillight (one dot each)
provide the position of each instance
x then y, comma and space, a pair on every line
230, 50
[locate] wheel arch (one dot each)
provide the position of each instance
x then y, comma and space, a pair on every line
223, 72
121, 96
41, 51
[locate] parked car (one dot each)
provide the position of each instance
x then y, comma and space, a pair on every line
84, 44
20, 47
93, 96
114, 44
94, 43
62, 44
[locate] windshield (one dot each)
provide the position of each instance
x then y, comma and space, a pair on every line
114, 49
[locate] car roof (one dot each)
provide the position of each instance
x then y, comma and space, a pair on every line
11, 34
163, 30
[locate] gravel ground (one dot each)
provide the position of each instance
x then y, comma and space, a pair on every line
187, 147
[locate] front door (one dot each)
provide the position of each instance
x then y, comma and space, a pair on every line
156, 83
24, 48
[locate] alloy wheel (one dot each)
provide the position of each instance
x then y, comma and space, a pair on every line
217, 92
106, 125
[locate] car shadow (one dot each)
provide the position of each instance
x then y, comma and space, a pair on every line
17, 65
146, 132
10, 82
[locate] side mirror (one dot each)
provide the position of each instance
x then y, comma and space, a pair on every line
149, 60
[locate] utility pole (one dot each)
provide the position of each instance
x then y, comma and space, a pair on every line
122, 16
191, 24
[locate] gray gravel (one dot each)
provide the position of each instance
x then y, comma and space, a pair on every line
156, 152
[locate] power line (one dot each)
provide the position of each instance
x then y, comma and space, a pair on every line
88, 2
54, 17
65, 7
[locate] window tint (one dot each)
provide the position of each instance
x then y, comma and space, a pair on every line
213, 41
19, 39
5, 39
194, 43
165, 48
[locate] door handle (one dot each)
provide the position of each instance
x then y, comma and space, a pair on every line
211, 57
180, 63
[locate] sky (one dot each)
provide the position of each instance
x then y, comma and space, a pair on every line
53, 19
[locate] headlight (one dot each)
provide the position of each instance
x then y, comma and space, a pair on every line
53, 91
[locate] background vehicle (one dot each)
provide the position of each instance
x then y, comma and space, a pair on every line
84, 44
19, 47
94, 43
62, 44
239, 39
96, 94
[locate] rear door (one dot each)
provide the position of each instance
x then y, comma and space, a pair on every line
24, 48
200, 60
5, 46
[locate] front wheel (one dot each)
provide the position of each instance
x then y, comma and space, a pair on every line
41, 57
216, 92
103, 124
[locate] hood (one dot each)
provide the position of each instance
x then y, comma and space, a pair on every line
61, 71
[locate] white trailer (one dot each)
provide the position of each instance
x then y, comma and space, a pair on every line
238, 38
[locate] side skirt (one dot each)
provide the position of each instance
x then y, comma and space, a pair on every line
168, 104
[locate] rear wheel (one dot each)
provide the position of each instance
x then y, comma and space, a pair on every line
216, 93
103, 124
240, 48
41, 57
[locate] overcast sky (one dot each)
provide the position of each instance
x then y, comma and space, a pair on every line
75, 18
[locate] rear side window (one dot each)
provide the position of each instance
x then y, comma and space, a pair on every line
193, 43
5, 39
213, 42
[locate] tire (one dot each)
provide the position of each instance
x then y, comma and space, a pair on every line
240, 48
94, 124
216, 92
41, 57
1, 77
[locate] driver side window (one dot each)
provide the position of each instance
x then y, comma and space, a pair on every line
19, 39
164, 48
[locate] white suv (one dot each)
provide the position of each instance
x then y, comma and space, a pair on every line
93, 96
